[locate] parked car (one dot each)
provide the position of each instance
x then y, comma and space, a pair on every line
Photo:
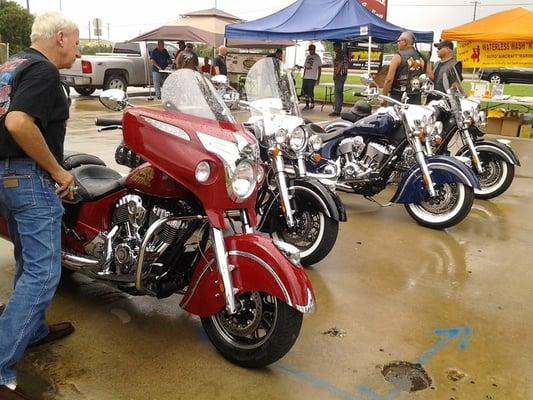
507, 75
127, 65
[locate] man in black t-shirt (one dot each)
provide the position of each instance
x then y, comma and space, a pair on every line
444, 65
220, 61
34, 109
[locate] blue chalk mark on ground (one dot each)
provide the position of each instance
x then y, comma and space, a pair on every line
448, 335
342, 394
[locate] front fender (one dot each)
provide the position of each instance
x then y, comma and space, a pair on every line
258, 266
315, 191
443, 169
502, 150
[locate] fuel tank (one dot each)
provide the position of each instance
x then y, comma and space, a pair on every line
373, 125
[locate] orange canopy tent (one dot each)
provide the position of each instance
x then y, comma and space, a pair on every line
513, 25
504, 39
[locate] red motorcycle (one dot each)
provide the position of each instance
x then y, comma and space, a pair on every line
183, 220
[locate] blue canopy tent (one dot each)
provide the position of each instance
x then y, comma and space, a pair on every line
323, 20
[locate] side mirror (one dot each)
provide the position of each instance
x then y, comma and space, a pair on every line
114, 99
366, 79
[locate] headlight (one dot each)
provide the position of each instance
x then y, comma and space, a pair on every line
297, 139
316, 142
244, 179
202, 172
280, 135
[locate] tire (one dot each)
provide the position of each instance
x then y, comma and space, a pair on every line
458, 199
85, 91
116, 82
235, 336
496, 178
314, 235
495, 78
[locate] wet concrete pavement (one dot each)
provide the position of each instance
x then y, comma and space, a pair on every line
456, 301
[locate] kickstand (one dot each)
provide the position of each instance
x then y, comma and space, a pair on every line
377, 202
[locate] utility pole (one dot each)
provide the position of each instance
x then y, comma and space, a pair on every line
108, 31
60, 8
475, 3
28, 5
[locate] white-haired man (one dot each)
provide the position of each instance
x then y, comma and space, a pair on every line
220, 61
33, 114
405, 66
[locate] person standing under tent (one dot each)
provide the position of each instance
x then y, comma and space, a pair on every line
160, 60
311, 76
340, 73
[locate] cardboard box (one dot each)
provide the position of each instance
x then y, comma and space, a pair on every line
494, 126
510, 126
525, 131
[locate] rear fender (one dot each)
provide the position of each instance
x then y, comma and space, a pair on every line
258, 266
443, 169
503, 151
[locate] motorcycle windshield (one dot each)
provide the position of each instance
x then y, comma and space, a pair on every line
452, 83
269, 85
189, 92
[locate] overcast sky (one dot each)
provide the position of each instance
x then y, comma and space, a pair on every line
128, 19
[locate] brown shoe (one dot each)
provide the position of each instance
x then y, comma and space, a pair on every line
2, 308
9, 394
57, 331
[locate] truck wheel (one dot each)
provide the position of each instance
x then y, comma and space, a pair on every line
116, 82
85, 91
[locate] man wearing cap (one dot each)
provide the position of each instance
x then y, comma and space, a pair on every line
406, 65
311, 76
446, 63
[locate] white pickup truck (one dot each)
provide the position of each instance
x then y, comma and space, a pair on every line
128, 65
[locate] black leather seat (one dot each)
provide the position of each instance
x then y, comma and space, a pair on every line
73, 159
350, 117
95, 181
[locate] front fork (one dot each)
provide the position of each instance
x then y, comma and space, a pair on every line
473, 151
421, 159
279, 170
224, 268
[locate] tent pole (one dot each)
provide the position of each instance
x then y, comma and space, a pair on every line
295, 51
369, 53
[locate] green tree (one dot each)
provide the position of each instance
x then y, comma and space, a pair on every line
95, 47
15, 25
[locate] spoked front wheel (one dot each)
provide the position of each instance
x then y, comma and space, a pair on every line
451, 205
496, 177
260, 333
314, 234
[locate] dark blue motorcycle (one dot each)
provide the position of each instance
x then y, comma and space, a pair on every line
437, 191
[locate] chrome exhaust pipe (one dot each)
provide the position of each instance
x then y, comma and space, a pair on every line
79, 263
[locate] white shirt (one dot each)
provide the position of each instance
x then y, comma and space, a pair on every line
312, 63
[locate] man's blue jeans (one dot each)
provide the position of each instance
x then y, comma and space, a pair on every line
33, 212
339, 92
158, 79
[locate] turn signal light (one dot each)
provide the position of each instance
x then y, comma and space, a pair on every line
421, 134
438, 139
86, 67
276, 151
316, 157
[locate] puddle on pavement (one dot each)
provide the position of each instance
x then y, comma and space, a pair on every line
406, 376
